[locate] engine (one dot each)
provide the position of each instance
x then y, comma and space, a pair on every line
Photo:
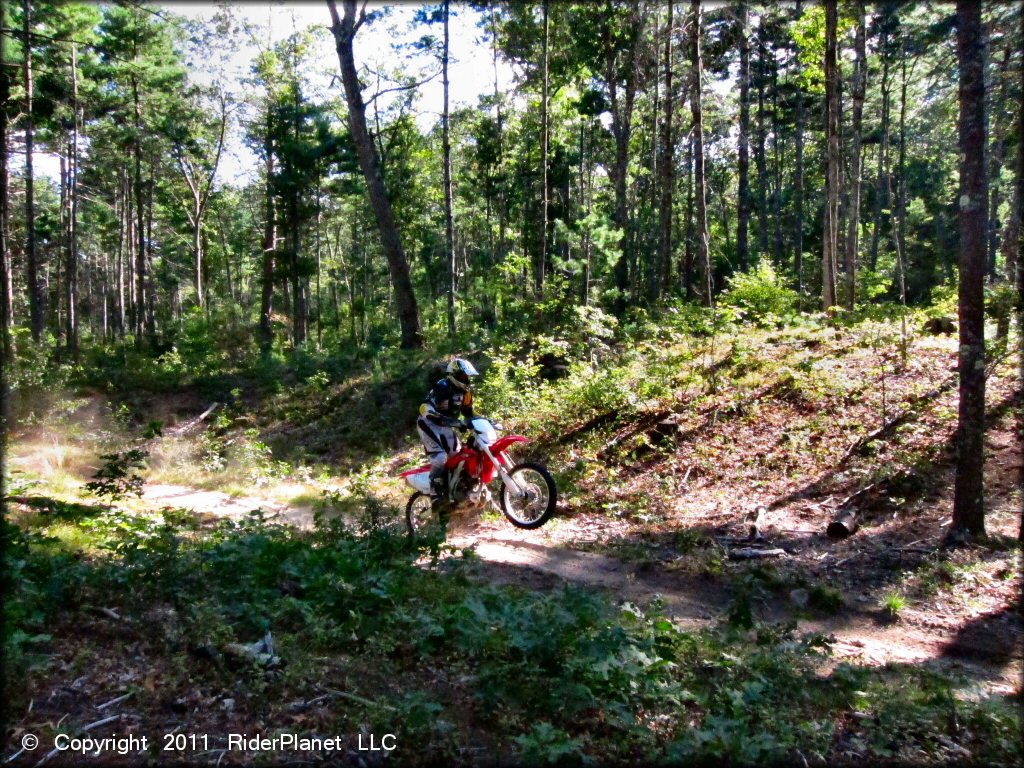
470, 491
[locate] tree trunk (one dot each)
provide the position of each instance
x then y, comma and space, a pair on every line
703, 238
140, 218
319, 265
831, 234
295, 256
798, 184
1016, 248
743, 193
344, 30
968, 499
881, 198
1013, 241
150, 288
123, 249
996, 157
622, 123
776, 170
668, 148
687, 271
35, 291
901, 198
269, 247
6, 288
545, 191
759, 151
449, 227
71, 269
853, 222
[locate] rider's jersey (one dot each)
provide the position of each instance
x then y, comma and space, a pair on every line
447, 400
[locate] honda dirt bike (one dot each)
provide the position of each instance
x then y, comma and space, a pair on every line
527, 495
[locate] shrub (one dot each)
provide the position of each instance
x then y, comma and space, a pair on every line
761, 295
119, 476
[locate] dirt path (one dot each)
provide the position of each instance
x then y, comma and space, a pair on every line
218, 504
859, 635
539, 559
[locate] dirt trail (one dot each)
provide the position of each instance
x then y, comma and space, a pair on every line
218, 504
859, 636
537, 559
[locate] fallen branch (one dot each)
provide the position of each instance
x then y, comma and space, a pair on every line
188, 426
112, 702
899, 418
750, 553
361, 700
54, 752
98, 723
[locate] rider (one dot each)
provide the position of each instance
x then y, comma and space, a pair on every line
449, 398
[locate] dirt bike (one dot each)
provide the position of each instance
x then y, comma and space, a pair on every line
527, 495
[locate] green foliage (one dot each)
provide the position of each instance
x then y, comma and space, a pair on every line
760, 295
893, 603
119, 477
943, 300
545, 744
825, 598
569, 677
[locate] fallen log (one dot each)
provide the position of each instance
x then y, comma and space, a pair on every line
844, 525
846, 522
190, 425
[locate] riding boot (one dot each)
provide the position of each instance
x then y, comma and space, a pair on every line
439, 490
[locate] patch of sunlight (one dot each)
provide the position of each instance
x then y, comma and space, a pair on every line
72, 537
61, 484
306, 499
51, 457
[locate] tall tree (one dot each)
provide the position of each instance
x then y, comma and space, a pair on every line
853, 221
71, 268
1013, 242
266, 330
887, 21
700, 184
743, 160
830, 239
798, 180
621, 31
6, 292
446, 142
198, 150
35, 287
667, 167
344, 29
968, 499
545, 202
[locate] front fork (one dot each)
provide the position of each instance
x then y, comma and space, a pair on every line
503, 463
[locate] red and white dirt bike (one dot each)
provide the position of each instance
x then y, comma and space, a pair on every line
527, 494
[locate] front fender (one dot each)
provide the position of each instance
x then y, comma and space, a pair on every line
502, 443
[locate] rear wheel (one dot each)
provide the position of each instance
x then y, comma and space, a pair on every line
535, 505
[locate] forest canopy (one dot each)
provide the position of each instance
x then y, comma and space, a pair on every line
579, 182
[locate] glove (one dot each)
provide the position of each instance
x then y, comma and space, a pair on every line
455, 423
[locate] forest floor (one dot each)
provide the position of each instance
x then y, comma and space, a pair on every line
971, 629
674, 521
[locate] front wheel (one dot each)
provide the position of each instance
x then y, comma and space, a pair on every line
535, 505
419, 515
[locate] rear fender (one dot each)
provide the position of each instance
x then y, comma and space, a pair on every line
416, 471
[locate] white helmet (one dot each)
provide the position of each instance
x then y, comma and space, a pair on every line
459, 372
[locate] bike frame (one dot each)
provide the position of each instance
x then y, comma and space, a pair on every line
482, 461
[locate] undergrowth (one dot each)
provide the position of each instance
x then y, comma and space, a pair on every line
563, 676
